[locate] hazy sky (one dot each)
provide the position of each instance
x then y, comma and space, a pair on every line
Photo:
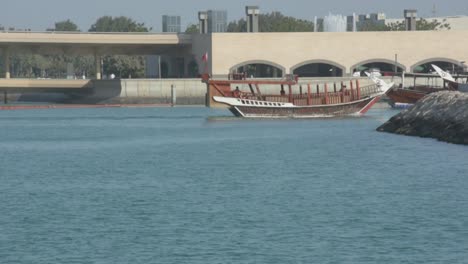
41, 14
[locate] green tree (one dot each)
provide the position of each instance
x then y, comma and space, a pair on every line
66, 25
372, 26
277, 22
192, 29
55, 66
237, 26
124, 66
274, 22
117, 24
421, 24
84, 65
121, 66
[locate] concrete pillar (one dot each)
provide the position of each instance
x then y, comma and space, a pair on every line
203, 22
187, 60
6, 62
410, 19
252, 13
173, 95
97, 59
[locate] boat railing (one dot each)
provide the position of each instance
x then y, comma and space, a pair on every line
237, 76
318, 97
369, 90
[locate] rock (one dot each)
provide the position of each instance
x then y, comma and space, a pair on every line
442, 115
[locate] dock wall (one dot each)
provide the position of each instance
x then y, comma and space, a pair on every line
124, 91
160, 91
150, 91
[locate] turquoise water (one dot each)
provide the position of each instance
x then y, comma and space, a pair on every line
162, 185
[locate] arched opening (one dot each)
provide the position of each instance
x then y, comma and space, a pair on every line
318, 69
448, 65
259, 69
382, 66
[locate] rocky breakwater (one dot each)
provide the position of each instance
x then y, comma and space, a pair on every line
442, 115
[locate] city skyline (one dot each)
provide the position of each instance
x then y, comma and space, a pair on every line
85, 13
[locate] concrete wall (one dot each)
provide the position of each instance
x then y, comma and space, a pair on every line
125, 91
150, 91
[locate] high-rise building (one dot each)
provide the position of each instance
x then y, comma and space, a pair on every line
171, 24
217, 21
364, 20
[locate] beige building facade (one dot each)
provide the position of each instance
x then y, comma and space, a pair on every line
346, 51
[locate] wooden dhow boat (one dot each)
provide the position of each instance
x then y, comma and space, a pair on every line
324, 101
404, 97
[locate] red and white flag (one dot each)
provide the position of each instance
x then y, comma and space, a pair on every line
205, 57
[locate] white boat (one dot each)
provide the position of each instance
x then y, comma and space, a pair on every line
461, 87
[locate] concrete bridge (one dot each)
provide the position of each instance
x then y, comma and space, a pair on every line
95, 44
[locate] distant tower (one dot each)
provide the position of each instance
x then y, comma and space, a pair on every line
171, 23
217, 21
351, 23
315, 24
434, 11
410, 19
252, 13
203, 22
354, 22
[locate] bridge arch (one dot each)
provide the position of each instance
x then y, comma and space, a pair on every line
318, 68
384, 65
259, 69
447, 64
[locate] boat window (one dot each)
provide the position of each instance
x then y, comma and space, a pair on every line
248, 102
243, 101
